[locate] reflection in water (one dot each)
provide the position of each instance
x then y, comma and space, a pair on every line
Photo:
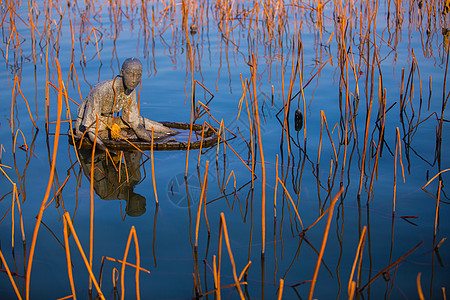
116, 180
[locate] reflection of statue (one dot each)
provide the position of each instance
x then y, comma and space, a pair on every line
109, 184
112, 96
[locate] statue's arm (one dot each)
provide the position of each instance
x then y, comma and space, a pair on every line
130, 115
89, 119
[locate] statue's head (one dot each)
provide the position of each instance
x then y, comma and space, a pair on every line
135, 204
131, 73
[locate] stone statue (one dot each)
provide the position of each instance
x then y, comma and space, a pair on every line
109, 98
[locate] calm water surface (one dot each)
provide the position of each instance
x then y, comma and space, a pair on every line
221, 55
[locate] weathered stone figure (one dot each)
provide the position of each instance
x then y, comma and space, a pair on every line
112, 96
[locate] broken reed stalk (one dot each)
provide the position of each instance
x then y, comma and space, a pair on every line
138, 263
280, 290
223, 225
292, 202
359, 253
126, 263
5, 265
324, 242
83, 255
323, 119
68, 258
434, 177
228, 145
153, 170
229, 177
199, 210
91, 194
419, 287
390, 266
49, 184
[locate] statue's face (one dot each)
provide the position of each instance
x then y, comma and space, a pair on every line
131, 77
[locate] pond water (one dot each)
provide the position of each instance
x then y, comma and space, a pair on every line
375, 71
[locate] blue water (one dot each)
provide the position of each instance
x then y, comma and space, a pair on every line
166, 233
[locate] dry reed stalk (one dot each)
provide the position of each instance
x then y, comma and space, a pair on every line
67, 297
228, 145
250, 124
58, 192
212, 117
199, 211
223, 225
138, 261
280, 289
390, 266
359, 252
218, 139
352, 290
234, 185
13, 101
292, 202
241, 101
216, 271
398, 151
12, 216
434, 177
219, 261
49, 184
126, 263
9, 275
437, 208
201, 145
261, 154
419, 287
324, 119
115, 278
275, 193
26, 101
380, 142
83, 255
191, 60
16, 199
324, 242
91, 212
69, 117
153, 170
69, 260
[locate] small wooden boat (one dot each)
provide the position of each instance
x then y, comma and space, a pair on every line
178, 141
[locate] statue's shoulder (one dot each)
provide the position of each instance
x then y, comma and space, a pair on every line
102, 88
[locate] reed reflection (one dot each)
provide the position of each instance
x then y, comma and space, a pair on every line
115, 178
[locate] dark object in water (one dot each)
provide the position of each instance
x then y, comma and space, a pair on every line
298, 120
178, 141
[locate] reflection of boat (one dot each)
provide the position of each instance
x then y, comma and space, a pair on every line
179, 141
111, 183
